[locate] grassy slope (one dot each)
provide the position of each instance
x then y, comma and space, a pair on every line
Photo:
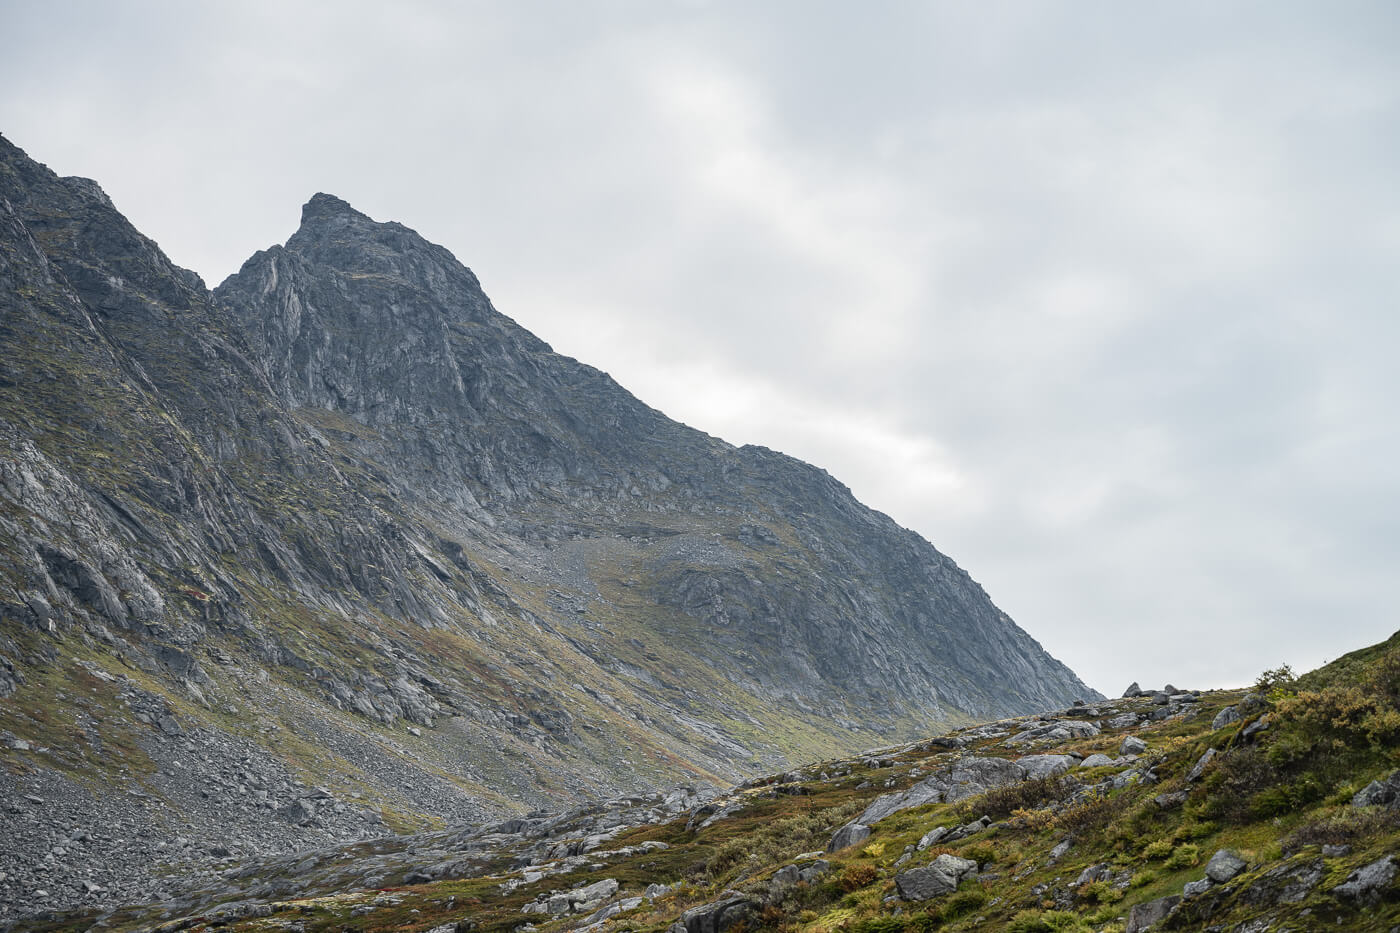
1275, 800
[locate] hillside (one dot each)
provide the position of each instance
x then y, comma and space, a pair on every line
1271, 808
337, 549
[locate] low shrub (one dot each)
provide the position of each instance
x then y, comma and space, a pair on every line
856, 877
1183, 856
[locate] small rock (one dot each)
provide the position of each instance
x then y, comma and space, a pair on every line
1096, 760
1200, 767
1194, 888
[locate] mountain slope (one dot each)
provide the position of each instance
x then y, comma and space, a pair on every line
339, 545
1239, 810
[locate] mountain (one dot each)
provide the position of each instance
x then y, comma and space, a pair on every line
337, 548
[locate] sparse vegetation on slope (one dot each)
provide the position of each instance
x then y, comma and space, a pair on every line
1174, 827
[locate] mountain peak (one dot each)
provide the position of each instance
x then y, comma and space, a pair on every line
327, 207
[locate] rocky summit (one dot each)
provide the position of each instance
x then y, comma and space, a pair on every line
336, 549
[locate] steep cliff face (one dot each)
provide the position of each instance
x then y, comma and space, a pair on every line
341, 522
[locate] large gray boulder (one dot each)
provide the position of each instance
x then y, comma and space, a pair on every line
847, 836
1132, 745
1226, 716
940, 877
1224, 865
1044, 766
718, 916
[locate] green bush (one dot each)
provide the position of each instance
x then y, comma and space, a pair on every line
1183, 856
1157, 848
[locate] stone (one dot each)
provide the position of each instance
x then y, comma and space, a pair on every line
1340, 851
1133, 691
1254, 728
847, 836
1044, 766
1144, 917
1225, 717
1097, 760
1060, 849
1095, 872
1379, 793
1123, 721
718, 916
940, 877
1286, 884
1170, 799
1364, 886
1200, 767
1224, 865
654, 891
1194, 888
596, 891
1132, 745
931, 837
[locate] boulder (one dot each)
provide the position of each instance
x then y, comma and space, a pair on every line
718, 916
1133, 691
1144, 917
1225, 717
940, 877
1097, 760
929, 790
1224, 865
1194, 888
932, 836
847, 836
1379, 793
1132, 745
1044, 766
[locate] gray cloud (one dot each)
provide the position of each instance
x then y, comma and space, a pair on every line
1095, 296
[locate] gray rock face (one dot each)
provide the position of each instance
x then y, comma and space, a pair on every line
940, 877
1367, 884
1144, 917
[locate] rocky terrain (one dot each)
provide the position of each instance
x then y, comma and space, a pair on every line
336, 549
1275, 807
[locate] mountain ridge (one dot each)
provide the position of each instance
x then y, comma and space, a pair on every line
339, 524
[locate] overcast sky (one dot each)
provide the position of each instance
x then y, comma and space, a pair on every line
1102, 298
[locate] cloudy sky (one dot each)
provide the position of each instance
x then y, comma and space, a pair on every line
1100, 297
